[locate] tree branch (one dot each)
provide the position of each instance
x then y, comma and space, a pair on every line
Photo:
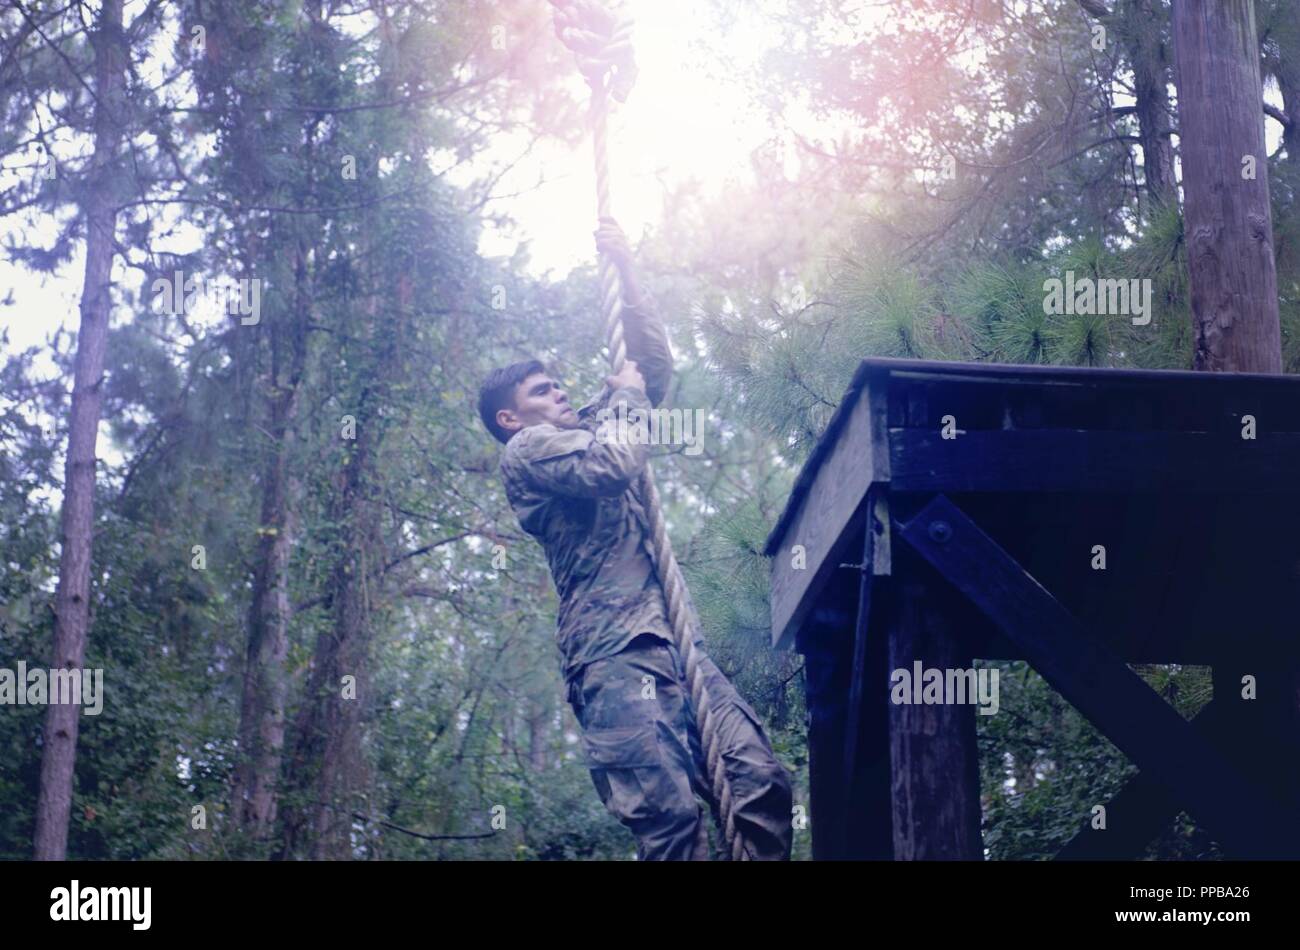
1274, 112
1094, 8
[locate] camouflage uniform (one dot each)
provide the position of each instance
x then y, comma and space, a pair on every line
626, 680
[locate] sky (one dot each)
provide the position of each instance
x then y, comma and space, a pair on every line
679, 123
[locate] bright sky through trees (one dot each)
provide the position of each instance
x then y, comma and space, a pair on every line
685, 120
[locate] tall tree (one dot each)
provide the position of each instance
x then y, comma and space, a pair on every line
1228, 219
72, 610
269, 166
1142, 26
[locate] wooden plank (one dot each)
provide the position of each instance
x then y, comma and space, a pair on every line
820, 452
995, 404
834, 500
1284, 386
1138, 462
1247, 820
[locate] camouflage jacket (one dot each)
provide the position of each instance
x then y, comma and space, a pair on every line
573, 491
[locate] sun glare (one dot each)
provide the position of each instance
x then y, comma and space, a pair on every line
682, 123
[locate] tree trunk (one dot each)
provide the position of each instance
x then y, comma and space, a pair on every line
1146, 54
1141, 29
261, 720
1227, 219
1287, 35
328, 766
72, 611
538, 720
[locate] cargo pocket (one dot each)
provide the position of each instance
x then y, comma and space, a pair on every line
627, 768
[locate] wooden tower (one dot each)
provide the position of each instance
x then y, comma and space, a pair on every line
954, 511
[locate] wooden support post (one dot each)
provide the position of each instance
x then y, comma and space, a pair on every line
1254, 675
1243, 816
866, 747
827, 664
1259, 733
849, 808
866, 587
932, 749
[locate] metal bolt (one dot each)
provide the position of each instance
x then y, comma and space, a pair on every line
941, 531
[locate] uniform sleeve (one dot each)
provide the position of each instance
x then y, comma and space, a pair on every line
580, 462
647, 343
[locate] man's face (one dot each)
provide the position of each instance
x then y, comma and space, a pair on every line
538, 399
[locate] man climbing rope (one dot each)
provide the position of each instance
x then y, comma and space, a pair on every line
571, 483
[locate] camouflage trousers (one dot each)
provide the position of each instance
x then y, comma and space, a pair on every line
644, 752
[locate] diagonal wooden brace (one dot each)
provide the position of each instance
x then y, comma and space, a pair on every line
1244, 818
1139, 810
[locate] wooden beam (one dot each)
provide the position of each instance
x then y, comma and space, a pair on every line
1256, 734
834, 500
1030, 460
1242, 816
1137, 813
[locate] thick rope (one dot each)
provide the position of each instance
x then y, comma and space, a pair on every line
579, 24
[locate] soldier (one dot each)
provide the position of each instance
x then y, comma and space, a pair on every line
571, 487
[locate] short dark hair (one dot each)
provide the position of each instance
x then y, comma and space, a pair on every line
498, 392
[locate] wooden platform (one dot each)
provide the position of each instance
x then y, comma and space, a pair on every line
898, 543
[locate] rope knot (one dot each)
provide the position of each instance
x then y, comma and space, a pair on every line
600, 36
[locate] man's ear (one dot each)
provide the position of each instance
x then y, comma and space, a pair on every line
507, 420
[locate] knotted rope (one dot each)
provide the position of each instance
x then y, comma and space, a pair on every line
599, 37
